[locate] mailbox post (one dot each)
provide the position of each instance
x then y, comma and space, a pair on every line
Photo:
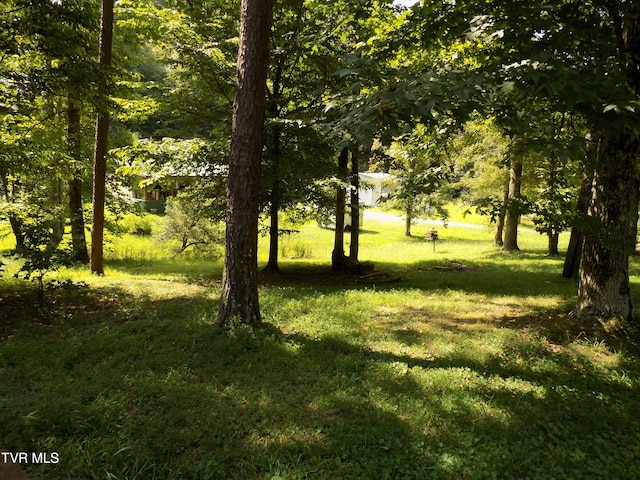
433, 236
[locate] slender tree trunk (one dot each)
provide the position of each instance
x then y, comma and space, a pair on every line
239, 296
79, 252
14, 221
498, 240
604, 291
553, 238
354, 246
274, 204
101, 145
338, 258
274, 210
16, 228
55, 190
513, 211
407, 218
410, 201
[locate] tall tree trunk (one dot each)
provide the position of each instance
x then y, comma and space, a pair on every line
498, 239
101, 145
239, 296
56, 224
338, 258
274, 201
512, 216
274, 207
354, 246
79, 252
604, 291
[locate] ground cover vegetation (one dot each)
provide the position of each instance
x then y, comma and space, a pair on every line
469, 366
194, 141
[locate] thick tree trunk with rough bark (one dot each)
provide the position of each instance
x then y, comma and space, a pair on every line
100, 148
239, 296
512, 216
79, 252
338, 258
604, 290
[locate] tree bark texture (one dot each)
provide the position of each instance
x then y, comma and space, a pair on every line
512, 216
604, 290
100, 148
274, 206
409, 201
276, 183
498, 239
408, 215
354, 246
79, 252
338, 258
553, 238
239, 296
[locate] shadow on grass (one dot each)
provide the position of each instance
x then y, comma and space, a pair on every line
521, 273
186, 268
161, 393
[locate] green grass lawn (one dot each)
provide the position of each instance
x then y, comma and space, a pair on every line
469, 366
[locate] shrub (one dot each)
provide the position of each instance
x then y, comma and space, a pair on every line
188, 226
137, 224
39, 251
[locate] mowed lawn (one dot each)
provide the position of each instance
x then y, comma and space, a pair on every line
463, 362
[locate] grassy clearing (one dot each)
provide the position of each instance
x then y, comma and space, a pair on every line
470, 366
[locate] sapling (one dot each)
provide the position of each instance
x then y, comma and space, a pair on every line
40, 258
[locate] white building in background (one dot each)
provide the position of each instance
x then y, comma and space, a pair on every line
373, 186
